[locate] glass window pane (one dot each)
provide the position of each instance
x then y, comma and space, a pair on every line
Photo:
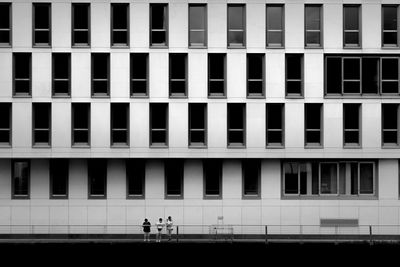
236, 17
329, 178
21, 178
370, 75
274, 18
136, 173
251, 177
366, 178
313, 20
291, 178
197, 17
334, 75
390, 18
213, 176
351, 18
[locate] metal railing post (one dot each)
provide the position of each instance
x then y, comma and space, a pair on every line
370, 235
266, 234
177, 233
336, 234
301, 234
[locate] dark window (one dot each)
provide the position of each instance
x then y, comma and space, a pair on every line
275, 26
119, 124
313, 124
81, 124
197, 124
390, 124
159, 25
119, 24
255, 75
216, 75
366, 178
251, 177
390, 26
212, 169
22, 74
5, 24
291, 178
275, 125
174, 178
197, 25
177, 75
20, 178
370, 75
139, 74
351, 75
294, 75
351, 26
5, 124
59, 169
100, 74
80, 24
135, 177
41, 130
61, 74
352, 123
333, 75
159, 124
329, 178
41, 24
97, 178
313, 25
296, 178
236, 25
390, 75
236, 125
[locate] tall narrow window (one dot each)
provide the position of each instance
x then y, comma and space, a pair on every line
294, 75
255, 75
352, 124
291, 182
251, 178
178, 75
216, 75
159, 124
5, 124
313, 25
351, 75
352, 26
212, 169
119, 124
370, 75
236, 26
5, 24
59, 169
275, 125
236, 125
80, 124
159, 25
97, 178
275, 26
390, 125
41, 130
329, 178
119, 24
390, 75
41, 24
174, 178
333, 74
197, 124
80, 24
100, 74
366, 178
313, 123
22, 81
20, 179
390, 25
61, 74
197, 25
135, 178
139, 74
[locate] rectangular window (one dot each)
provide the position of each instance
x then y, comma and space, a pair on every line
135, 178
139, 74
197, 124
329, 178
251, 178
119, 24
178, 75
390, 75
236, 26
59, 169
351, 75
275, 26
236, 125
275, 125
313, 125
97, 178
20, 178
22, 72
313, 25
255, 75
216, 75
80, 124
212, 169
293, 173
174, 178
61, 74
5, 24
5, 124
41, 124
119, 124
390, 25
198, 25
158, 124
100, 74
352, 26
80, 24
352, 125
366, 178
159, 25
390, 125
41, 24
294, 75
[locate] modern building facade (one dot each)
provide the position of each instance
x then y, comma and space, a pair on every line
262, 113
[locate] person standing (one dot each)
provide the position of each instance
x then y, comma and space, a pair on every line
146, 230
160, 226
169, 224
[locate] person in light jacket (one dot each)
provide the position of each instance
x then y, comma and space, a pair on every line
169, 224
160, 226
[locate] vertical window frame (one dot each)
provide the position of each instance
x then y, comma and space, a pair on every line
177, 161
209, 80
51, 175
381, 80
159, 145
353, 145
373, 178
194, 144
321, 130
132, 79
10, 31
79, 144
34, 29
8, 105
383, 129
127, 129
130, 167
112, 29
34, 129
275, 45
282, 130
383, 45
244, 165
17, 196
198, 45
229, 129
291, 95
73, 29
353, 46
205, 163
93, 79
18, 94
90, 163
231, 44
53, 79
253, 95
337, 178
166, 23
171, 80
321, 27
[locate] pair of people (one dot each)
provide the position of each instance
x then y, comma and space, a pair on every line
159, 225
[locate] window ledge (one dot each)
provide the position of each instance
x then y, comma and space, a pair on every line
256, 96
140, 96
58, 197
4, 45
122, 145
178, 96
20, 197
350, 146
41, 146
236, 46
61, 96
80, 146
135, 197
120, 46
80, 46
238, 145
41, 46
313, 146
275, 47
197, 46
212, 197
97, 197
160, 46
100, 96
275, 147
158, 146
198, 146
5, 145
217, 96
391, 146
18, 95
290, 96
250, 197
173, 197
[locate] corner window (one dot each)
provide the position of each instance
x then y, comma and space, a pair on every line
20, 179
236, 125
59, 171
100, 74
197, 25
313, 26
352, 125
197, 124
178, 75
275, 121
352, 26
294, 75
41, 123
61, 81
81, 124
212, 170
80, 24
174, 169
275, 26
236, 26
41, 24
255, 75
5, 24
158, 124
139, 74
97, 178
390, 125
135, 178
119, 25
159, 25
313, 124
5, 124
251, 178
390, 26
216, 75
119, 124
22, 73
